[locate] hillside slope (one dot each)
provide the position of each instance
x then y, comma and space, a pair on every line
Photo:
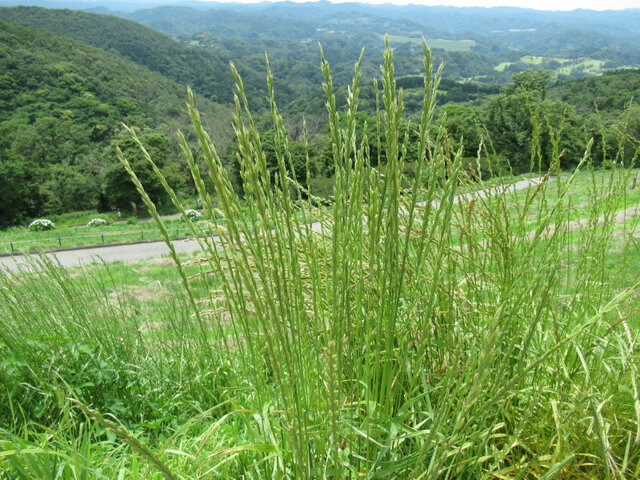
206, 71
61, 107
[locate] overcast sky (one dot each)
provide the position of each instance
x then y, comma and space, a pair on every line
537, 4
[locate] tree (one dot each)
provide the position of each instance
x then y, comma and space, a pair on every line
462, 126
18, 189
119, 190
534, 83
520, 110
65, 188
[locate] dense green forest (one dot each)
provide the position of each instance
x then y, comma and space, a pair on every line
63, 98
610, 92
61, 106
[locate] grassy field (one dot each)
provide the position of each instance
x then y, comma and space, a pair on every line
590, 67
451, 45
501, 66
71, 230
492, 337
567, 66
68, 234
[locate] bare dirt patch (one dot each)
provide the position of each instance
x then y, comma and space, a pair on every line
153, 291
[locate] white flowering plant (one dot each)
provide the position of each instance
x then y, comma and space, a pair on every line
96, 222
41, 224
193, 214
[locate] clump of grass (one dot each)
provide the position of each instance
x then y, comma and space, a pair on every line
425, 340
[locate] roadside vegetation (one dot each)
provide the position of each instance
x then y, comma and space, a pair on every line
415, 333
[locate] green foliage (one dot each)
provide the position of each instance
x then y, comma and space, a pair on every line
94, 341
96, 222
606, 104
119, 191
19, 188
463, 128
610, 92
59, 113
521, 125
41, 224
533, 83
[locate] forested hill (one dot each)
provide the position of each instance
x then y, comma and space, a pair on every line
61, 106
206, 71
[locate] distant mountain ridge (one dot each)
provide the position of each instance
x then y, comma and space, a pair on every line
487, 45
454, 20
573, 44
451, 19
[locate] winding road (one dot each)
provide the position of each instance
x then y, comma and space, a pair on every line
141, 251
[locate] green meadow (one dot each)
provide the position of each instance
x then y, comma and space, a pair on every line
557, 65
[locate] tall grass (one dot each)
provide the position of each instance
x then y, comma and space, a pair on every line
395, 338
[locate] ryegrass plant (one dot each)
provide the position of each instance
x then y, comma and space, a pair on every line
460, 331
400, 340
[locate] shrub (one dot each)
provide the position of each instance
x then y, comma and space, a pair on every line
192, 214
41, 224
96, 222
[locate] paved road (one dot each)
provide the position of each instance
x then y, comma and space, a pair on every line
142, 251
127, 253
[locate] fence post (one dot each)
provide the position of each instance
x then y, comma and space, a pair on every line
11, 247
102, 235
60, 241
141, 234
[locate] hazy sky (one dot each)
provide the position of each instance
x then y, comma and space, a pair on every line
537, 4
